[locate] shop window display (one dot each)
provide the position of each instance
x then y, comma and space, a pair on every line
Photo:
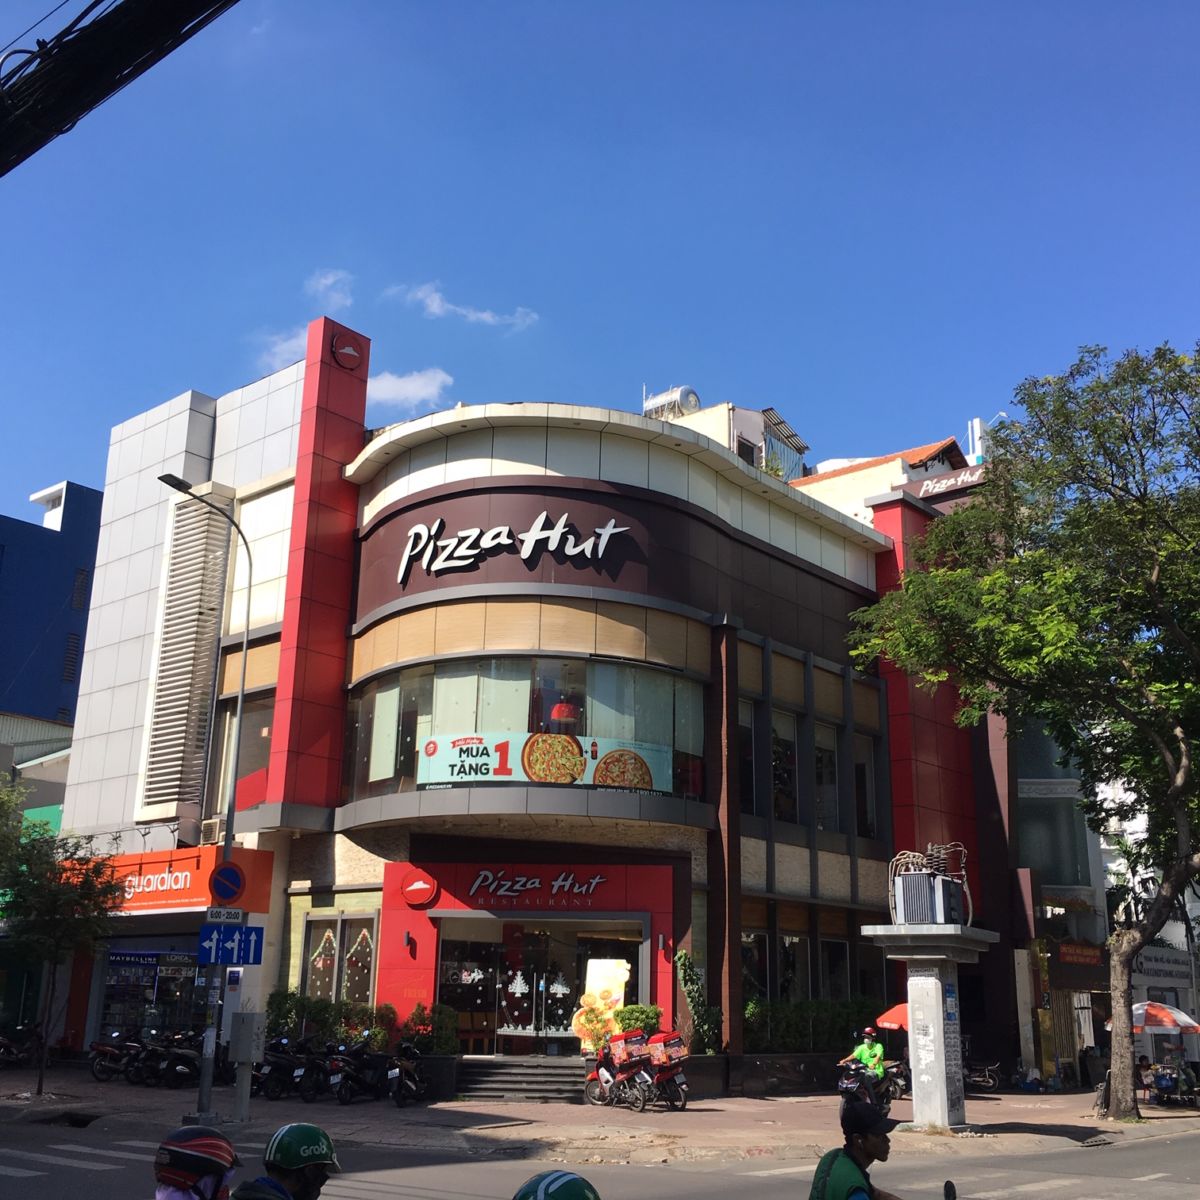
528, 721
146, 989
339, 958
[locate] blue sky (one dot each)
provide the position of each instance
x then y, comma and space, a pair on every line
877, 217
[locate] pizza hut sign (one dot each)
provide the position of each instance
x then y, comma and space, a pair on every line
501, 887
460, 551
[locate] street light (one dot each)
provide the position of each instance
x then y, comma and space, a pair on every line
204, 1096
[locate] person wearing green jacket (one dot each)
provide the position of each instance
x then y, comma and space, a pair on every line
299, 1159
842, 1173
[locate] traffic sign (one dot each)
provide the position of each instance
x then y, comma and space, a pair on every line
230, 945
226, 883
226, 916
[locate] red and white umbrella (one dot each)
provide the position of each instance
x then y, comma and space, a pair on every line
1150, 1014
896, 1017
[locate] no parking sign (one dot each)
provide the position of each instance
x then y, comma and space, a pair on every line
226, 883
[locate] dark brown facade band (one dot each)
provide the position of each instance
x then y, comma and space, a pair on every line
603, 538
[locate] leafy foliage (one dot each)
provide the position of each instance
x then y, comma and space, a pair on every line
594, 1026
1066, 594
292, 1013
58, 894
432, 1030
805, 1026
706, 1018
646, 1017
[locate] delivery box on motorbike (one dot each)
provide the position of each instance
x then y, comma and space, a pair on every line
628, 1045
667, 1047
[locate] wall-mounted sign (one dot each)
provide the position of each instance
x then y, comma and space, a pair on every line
466, 548
170, 880
1163, 962
938, 485
560, 758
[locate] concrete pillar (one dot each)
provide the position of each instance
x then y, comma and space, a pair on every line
935, 1044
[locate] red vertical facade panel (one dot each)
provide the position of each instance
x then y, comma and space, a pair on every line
933, 793
307, 739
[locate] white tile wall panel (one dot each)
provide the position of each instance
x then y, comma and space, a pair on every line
427, 465
668, 472
247, 463
756, 516
574, 453
468, 455
833, 552
252, 426
702, 485
783, 528
808, 541
519, 450
279, 452
624, 460
729, 501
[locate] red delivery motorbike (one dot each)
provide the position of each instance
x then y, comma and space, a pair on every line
620, 1076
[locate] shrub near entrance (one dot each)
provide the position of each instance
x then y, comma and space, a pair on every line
805, 1026
646, 1017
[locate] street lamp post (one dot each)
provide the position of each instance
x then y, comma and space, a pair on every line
207, 1060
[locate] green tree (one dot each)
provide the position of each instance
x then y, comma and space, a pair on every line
58, 894
1067, 594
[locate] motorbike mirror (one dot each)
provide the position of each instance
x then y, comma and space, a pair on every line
949, 1191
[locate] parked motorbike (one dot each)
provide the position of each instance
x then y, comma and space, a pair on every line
615, 1083
896, 1082
407, 1081
363, 1072
280, 1071
174, 1060
668, 1084
318, 1077
110, 1057
22, 1049
981, 1077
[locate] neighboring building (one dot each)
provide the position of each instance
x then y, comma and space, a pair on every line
1166, 971
533, 691
1035, 868
45, 589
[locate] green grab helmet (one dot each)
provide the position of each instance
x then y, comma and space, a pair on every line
296, 1146
556, 1185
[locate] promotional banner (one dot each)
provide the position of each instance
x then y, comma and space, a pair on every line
562, 758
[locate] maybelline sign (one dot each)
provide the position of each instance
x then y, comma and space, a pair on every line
467, 548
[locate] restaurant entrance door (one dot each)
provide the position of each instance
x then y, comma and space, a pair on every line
516, 985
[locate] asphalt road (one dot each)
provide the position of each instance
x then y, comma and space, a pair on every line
113, 1163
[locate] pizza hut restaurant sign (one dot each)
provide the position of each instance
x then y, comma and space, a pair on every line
505, 886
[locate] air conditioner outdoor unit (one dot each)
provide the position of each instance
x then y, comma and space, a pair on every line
211, 831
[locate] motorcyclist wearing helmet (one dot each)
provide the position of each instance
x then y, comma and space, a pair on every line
194, 1163
556, 1185
842, 1174
869, 1052
299, 1159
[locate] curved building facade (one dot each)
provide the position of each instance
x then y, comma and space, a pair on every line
537, 695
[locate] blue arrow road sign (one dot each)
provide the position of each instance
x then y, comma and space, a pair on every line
230, 945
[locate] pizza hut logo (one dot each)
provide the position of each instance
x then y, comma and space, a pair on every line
431, 748
419, 888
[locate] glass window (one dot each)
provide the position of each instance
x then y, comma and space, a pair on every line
1053, 840
835, 970
254, 752
783, 765
393, 719
357, 959
455, 692
320, 959
689, 738
504, 695
611, 701
793, 967
755, 974
864, 784
339, 958
871, 970
826, 790
745, 753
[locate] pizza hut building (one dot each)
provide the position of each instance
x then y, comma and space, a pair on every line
537, 694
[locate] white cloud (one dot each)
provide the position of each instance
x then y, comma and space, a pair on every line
282, 349
408, 391
431, 298
330, 287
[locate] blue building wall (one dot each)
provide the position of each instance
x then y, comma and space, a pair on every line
45, 589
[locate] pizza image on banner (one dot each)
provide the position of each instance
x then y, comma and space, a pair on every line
553, 758
623, 769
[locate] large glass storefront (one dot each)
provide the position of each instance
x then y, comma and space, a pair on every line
518, 986
146, 989
527, 720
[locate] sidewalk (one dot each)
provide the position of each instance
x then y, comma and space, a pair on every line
787, 1128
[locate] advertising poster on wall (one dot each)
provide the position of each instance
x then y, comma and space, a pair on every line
561, 758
